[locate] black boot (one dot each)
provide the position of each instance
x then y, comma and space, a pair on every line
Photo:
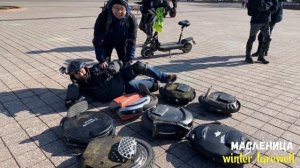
249, 59
248, 50
262, 59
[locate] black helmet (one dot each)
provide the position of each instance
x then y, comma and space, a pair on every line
75, 66
172, 12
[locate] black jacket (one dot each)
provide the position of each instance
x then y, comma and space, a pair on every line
101, 85
103, 29
262, 14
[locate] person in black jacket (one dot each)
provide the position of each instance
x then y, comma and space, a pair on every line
148, 9
275, 18
106, 84
261, 10
116, 28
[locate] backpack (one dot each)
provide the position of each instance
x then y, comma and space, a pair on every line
251, 8
167, 122
177, 93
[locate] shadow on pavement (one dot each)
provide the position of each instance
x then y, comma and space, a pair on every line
199, 113
203, 63
37, 101
64, 49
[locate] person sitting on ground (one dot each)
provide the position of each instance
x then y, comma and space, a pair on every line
106, 84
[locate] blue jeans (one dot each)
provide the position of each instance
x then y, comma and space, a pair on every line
131, 84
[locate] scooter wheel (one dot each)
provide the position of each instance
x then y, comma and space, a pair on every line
187, 47
147, 52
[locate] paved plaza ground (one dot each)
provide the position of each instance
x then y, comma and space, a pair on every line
37, 40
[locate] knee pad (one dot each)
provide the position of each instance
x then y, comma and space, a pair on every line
139, 68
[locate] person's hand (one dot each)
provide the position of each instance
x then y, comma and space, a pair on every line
103, 65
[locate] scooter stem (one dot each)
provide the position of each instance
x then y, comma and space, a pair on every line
180, 35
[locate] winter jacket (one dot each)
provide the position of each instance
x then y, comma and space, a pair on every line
109, 29
101, 85
262, 14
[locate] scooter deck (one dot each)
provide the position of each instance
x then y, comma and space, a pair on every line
169, 46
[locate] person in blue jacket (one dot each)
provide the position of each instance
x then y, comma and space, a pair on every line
115, 28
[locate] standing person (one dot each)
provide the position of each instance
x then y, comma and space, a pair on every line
260, 12
148, 9
275, 18
115, 28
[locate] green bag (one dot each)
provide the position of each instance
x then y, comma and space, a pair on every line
159, 19
177, 93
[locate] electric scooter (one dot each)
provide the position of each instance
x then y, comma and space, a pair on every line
152, 44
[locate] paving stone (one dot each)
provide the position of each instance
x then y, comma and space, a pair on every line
198, 160
168, 161
246, 128
265, 136
45, 164
4, 154
273, 130
254, 122
64, 159
30, 158
32, 122
262, 117
10, 163
184, 151
291, 112
15, 138
295, 138
10, 128
6, 120
45, 138
54, 148
280, 123
268, 111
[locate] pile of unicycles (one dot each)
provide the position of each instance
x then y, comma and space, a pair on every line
93, 134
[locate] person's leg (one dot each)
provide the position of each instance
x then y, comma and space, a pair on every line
260, 40
133, 85
254, 28
272, 25
265, 30
120, 48
131, 72
108, 50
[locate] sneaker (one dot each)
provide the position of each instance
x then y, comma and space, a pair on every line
154, 87
263, 60
171, 78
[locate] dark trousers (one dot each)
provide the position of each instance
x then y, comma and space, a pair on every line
120, 48
146, 23
260, 37
254, 29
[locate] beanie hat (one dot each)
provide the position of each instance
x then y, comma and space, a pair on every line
120, 2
